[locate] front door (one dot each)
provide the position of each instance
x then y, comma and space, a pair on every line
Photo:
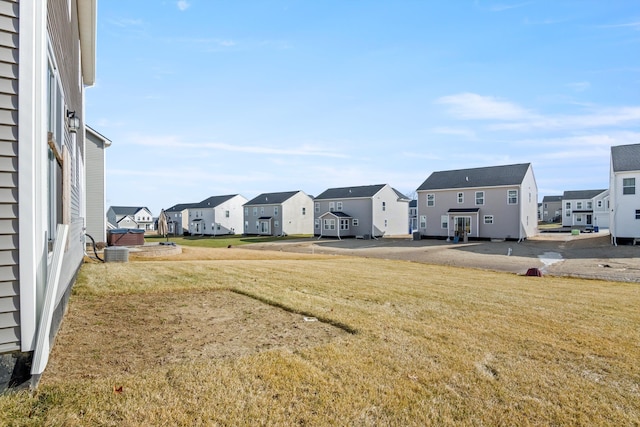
264, 227
589, 219
462, 225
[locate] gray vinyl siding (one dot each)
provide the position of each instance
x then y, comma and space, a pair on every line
359, 209
95, 173
9, 270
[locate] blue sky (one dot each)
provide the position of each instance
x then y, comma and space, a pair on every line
207, 97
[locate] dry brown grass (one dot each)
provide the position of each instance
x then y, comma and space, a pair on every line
434, 346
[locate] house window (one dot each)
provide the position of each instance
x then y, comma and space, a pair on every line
276, 224
384, 206
512, 197
317, 207
599, 204
488, 219
344, 224
255, 211
578, 205
332, 206
444, 221
589, 205
431, 200
460, 198
578, 218
568, 214
629, 186
246, 211
329, 224
257, 225
275, 211
567, 206
317, 223
262, 210
637, 213
339, 206
546, 206
423, 221
226, 214
304, 211
479, 198
246, 225
355, 222
385, 223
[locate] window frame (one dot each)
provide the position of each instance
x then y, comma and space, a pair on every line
514, 196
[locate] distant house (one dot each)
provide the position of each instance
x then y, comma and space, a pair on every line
130, 217
551, 209
370, 210
624, 194
413, 215
178, 218
48, 59
217, 215
279, 214
586, 208
95, 165
489, 202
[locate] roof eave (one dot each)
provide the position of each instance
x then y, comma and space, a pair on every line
87, 19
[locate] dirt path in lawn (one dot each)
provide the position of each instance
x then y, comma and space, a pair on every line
142, 332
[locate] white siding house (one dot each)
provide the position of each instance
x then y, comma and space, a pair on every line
279, 214
130, 217
217, 215
47, 57
624, 193
585, 208
96, 145
483, 203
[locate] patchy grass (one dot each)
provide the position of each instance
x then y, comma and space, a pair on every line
433, 345
219, 241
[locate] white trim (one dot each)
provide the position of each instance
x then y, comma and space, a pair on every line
32, 138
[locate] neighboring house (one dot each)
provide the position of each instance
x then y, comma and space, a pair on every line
95, 182
497, 202
279, 214
413, 215
178, 218
217, 215
551, 209
130, 217
624, 194
365, 211
585, 208
47, 52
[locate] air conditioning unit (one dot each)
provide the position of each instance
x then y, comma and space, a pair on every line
116, 254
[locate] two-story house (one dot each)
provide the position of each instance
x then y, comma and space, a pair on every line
585, 208
624, 177
178, 218
217, 215
551, 209
95, 182
130, 217
363, 211
497, 202
47, 51
413, 215
279, 214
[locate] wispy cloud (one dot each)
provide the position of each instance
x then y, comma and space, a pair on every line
579, 86
126, 22
177, 143
501, 7
633, 25
510, 116
465, 133
471, 106
183, 5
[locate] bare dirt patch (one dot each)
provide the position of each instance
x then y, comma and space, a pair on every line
144, 331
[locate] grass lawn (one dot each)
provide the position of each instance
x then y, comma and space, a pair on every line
219, 241
417, 345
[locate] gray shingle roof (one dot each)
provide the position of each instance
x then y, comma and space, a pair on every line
550, 199
180, 207
272, 198
350, 192
625, 157
581, 194
127, 210
492, 176
213, 201
400, 195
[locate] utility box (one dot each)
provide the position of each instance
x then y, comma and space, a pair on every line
416, 235
116, 254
